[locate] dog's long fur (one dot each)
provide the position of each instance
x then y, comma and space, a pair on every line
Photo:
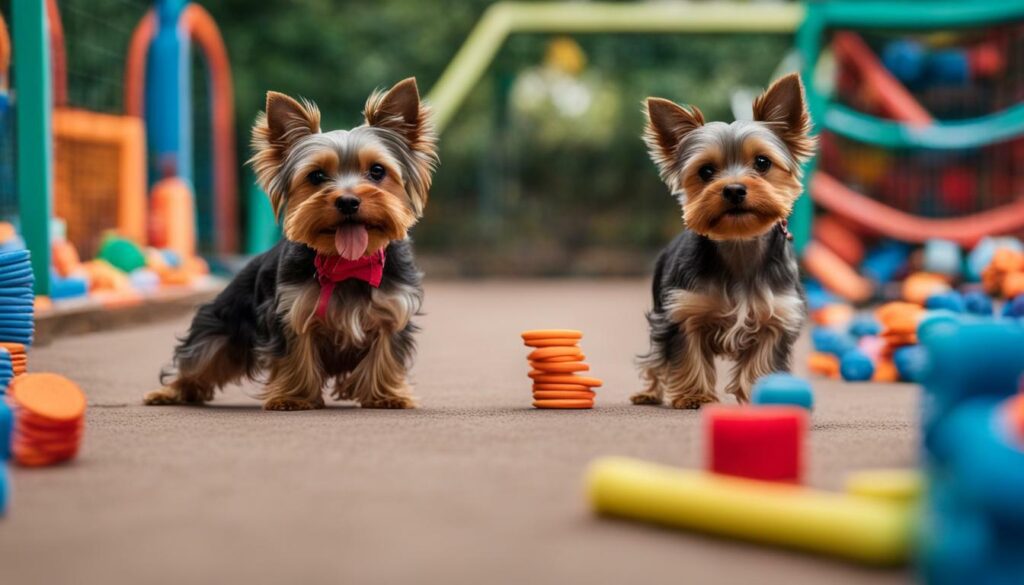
728, 285
264, 326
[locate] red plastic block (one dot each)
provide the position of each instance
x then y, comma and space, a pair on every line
757, 442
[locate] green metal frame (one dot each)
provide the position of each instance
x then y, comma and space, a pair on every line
34, 133
506, 18
901, 15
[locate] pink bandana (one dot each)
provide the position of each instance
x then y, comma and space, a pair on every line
330, 270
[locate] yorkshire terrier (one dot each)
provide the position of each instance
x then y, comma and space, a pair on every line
334, 299
728, 285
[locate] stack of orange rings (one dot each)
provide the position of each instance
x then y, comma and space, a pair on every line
557, 361
49, 419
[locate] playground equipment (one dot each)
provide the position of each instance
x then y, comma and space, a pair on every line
92, 177
917, 142
163, 35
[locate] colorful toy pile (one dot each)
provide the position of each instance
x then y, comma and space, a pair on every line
122, 271
16, 297
751, 488
882, 346
49, 419
973, 525
556, 361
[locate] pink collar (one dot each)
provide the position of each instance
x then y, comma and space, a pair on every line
330, 270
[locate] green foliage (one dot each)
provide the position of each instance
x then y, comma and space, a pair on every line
513, 194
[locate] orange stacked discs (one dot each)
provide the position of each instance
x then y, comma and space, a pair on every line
19, 359
556, 364
49, 419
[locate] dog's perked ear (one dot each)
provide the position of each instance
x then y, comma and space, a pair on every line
284, 122
667, 125
783, 108
400, 111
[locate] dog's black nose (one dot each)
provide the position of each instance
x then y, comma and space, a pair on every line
347, 204
735, 193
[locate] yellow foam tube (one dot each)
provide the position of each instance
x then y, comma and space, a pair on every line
866, 530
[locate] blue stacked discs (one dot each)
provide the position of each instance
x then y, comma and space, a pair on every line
16, 297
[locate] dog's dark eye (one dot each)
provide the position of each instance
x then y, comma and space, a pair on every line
706, 172
762, 164
377, 173
317, 177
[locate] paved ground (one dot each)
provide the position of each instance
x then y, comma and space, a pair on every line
474, 487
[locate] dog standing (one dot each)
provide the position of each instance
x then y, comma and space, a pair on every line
334, 299
728, 285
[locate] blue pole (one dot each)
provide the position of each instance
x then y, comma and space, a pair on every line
168, 95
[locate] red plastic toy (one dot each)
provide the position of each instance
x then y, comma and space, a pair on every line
762, 442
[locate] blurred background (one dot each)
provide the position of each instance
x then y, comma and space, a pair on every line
543, 170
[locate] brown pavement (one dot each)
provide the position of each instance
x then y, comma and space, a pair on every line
473, 487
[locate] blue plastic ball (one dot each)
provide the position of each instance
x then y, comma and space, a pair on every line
905, 59
783, 388
949, 68
832, 341
865, 324
978, 303
856, 366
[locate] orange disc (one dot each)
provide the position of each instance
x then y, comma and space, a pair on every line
13, 348
567, 404
552, 334
562, 387
553, 342
562, 395
560, 368
560, 359
49, 396
541, 377
544, 353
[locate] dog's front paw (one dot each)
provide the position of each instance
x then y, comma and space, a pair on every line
286, 403
389, 402
691, 402
163, 397
646, 397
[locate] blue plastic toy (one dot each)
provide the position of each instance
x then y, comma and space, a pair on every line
884, 262
5, 489
973, 525
782, 388
906, 60
950, 300
1014, 308
67, 288
6, 431
856, 366
909, 361
978, 303
865, 324
833, 341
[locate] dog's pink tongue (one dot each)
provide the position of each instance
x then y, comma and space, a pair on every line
351, 240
